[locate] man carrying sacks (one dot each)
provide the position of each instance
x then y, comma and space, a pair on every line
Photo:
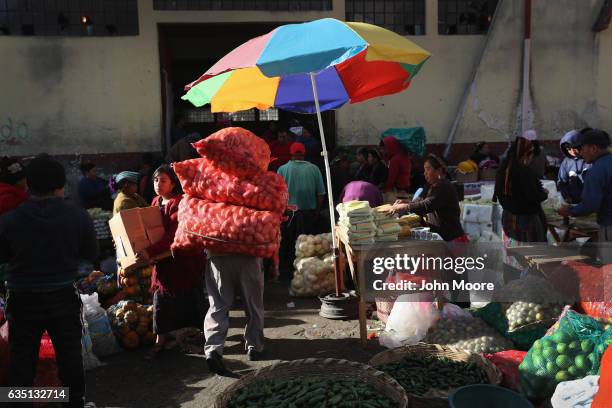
228, 212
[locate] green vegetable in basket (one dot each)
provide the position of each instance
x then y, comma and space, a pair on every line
572, 352
309, 392
419, 374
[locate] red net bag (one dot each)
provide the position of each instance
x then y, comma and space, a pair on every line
201, 178
226, 228
508, 363
236, 151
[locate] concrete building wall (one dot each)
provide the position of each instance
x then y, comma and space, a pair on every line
97, 95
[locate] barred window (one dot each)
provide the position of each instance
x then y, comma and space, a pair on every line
463, 17
69, 17
268, 115
268, 5
200, 115
244, 116
406, 17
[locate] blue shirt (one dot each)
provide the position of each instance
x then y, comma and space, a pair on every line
597, 191
304, 182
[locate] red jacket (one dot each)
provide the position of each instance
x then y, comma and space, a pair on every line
181, 270
10, 197
400, 165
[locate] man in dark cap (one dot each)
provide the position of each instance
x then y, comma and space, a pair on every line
593, 147
43, 241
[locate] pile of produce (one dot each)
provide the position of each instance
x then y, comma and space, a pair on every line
313, 245
310, 392
520, 314
233, 205
419, 374
227, 228
356, 222
136, 284
467, 166
132, 323
530, 300
313, 276
201, 178
572, 352
100, 220
387, 226
88, 284
472, 335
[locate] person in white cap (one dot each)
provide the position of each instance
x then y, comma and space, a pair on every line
520, 193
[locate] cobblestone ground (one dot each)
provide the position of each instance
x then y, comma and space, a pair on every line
176, 379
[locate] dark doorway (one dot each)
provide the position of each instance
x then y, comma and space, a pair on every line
187, 51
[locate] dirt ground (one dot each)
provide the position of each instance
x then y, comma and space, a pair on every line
176, 379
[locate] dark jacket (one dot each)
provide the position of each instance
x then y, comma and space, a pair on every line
571, 173
379, 174
526, 192
44, 240
597, 192
183, 270
441, 206
95, 193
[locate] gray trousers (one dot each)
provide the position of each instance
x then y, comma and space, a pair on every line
226, 275
605, 249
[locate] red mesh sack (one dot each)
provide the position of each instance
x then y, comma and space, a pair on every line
201, 178
592, 286
226, 228
508, 362
236, 151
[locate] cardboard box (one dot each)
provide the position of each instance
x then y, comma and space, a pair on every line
135, 230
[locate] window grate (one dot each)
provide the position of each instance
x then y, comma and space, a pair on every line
268, 5
200, 115
69, 17
244, 116
268, 115
406, 17
465, 17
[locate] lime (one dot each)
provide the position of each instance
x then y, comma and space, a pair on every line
548, 343
601, 348
582, 362
563, 361
549, 353
562, 376
591, 357
551, 367
538, 361
561, 337
573, 372
537, 345
561, 348
586, 346
574, 346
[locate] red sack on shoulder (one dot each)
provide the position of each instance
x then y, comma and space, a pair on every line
201, 178
226, 228
236, 151
603, 398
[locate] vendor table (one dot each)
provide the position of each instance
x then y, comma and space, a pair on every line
545, 258
572, 228
355, 256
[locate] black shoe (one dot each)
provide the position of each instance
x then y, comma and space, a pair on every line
215, 365
254, 355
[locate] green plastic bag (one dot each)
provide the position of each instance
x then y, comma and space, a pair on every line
412, 139
572, 352
495, 317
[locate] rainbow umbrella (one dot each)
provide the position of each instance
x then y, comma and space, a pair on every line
309, 68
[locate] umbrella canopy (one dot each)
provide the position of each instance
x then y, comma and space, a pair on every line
353, 62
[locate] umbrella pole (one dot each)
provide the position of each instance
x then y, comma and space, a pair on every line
330, 198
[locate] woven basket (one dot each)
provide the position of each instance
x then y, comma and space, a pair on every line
436, 398
333, 368
488, 174
466, 177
